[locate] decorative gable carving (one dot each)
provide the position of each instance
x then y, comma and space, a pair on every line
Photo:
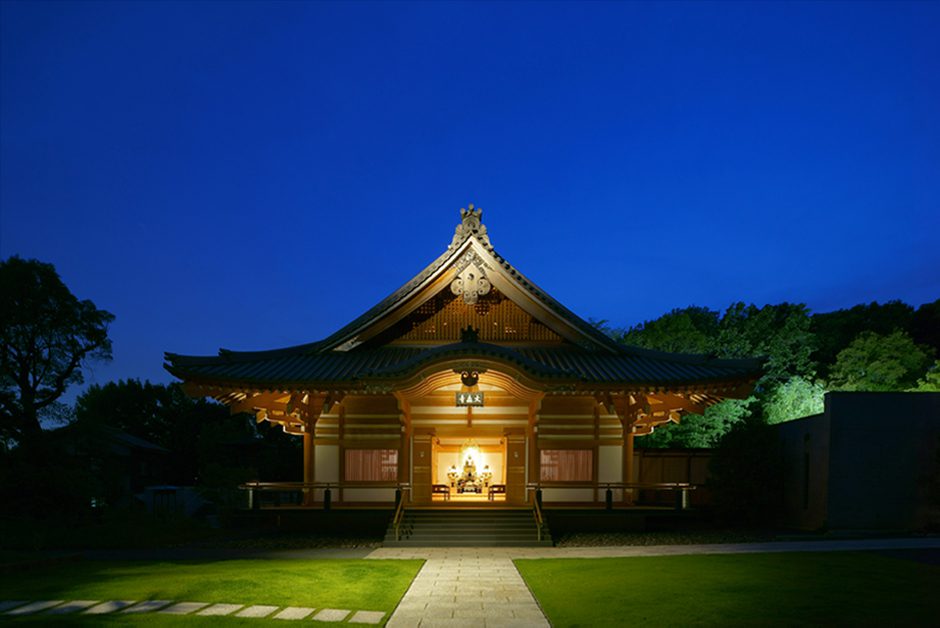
470, 225
471, 284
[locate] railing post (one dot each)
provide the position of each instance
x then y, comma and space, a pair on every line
251, 498
609, 499
538, 496
327, 498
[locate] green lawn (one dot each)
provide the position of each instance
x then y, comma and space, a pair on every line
847, 589
375, 585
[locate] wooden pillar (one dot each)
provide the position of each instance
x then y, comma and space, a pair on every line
628, 461
421, 475
515, 467
309, 465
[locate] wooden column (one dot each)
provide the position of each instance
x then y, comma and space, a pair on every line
628, 461
310, 412
629, 408
309, 464
515, 467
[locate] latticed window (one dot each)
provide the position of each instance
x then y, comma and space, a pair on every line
567, 465
371, 465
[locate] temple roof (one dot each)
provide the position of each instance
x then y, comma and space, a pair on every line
359, 356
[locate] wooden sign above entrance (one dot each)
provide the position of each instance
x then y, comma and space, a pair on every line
468, 399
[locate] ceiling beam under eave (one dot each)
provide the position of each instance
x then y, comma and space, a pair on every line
267, 401
668, 403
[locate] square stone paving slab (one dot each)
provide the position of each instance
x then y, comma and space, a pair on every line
258, 610
331, 614
34, 607
294, 612
184, 608
366, 617
220, 609
72, 607
147, 606
109, 607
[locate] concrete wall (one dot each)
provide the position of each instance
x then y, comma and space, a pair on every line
866, 463
806, 472
882, 455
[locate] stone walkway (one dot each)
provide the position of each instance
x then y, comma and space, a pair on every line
470, 592
21, 608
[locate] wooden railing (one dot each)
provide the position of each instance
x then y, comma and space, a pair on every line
537, 513
681, 489
399, 517
301, 493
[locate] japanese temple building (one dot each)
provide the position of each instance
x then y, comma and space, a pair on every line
468, 383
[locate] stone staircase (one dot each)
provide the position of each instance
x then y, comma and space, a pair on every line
485, 527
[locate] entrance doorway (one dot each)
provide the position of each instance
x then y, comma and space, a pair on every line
468, 470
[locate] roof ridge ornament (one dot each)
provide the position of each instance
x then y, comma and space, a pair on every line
470, 225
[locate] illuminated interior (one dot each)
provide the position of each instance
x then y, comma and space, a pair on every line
468, 469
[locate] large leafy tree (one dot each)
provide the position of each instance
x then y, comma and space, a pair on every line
201, 434
780, 333
930, 382
46, 336
700, 430
874, 362
794, 399
164, 415
688, 330
925, 325
834, 331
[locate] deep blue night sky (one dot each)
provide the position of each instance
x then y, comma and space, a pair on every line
256, 175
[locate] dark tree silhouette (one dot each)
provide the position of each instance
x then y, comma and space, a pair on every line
46, 336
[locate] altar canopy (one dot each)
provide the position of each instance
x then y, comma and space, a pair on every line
468, 350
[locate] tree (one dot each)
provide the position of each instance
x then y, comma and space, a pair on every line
781, 333
931, 380
46, 336
163, 415
689, 330
873, 362
834, 331
200, 434
699, 430
745, 473
794, 399
925, 325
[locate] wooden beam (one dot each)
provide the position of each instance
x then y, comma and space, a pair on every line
255, 402
674, 402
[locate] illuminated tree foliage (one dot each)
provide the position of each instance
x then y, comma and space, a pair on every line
867, 347
931, 380
46, 336
689, 330
794, 399
874, 362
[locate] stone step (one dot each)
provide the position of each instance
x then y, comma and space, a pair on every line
469, 543
461, 528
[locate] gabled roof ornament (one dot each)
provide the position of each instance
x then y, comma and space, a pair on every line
470, 225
